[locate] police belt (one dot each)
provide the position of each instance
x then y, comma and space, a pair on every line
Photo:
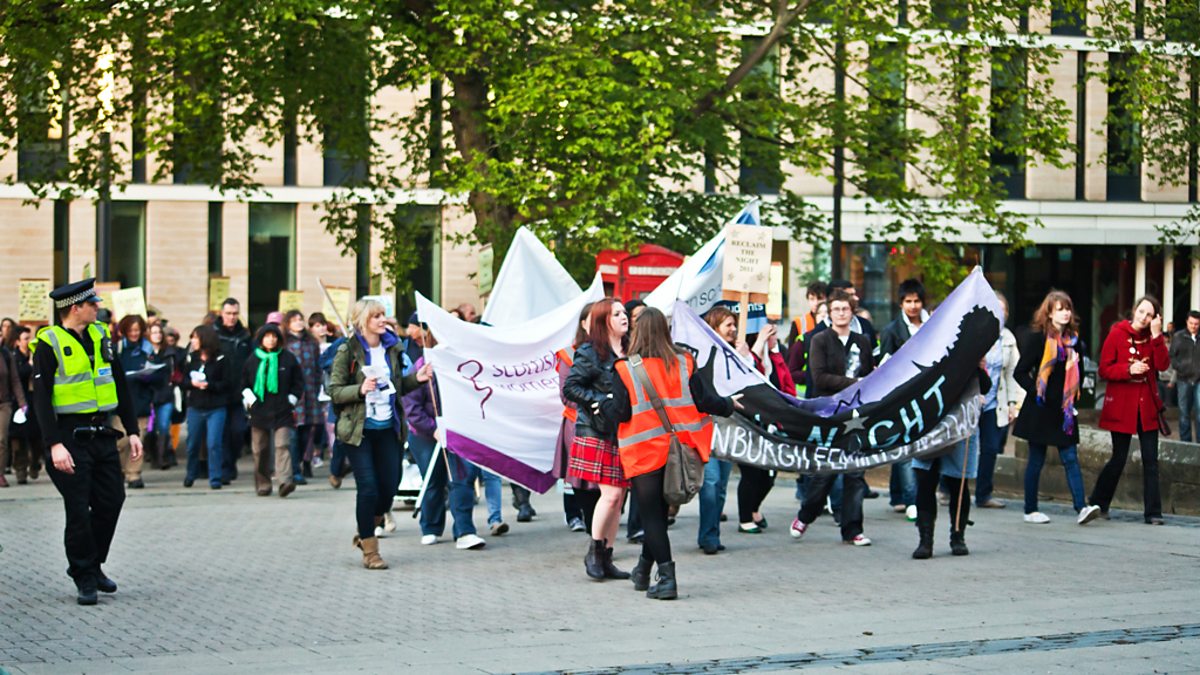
93, 432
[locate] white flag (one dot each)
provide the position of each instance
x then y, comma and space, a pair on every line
531, 282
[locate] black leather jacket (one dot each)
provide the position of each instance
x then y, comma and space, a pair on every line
591, 381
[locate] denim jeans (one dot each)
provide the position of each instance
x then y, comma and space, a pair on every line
1033, 472
463, 475
376, 464
1189, 405
162, 420
902, 487
991, 445
205, 425
433, 504
492, 491
712, 501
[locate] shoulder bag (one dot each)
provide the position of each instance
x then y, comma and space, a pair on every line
684, 472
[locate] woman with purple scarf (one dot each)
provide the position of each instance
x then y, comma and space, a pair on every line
365, 384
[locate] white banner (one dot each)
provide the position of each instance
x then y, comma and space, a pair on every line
531, 282
499, 387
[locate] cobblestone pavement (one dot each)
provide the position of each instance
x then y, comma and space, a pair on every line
230, 582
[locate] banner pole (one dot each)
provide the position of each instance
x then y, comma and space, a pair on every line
962, 485
341, 319
743, 319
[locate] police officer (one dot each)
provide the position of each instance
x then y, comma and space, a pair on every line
76, 390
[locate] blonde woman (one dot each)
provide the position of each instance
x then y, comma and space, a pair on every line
366, 380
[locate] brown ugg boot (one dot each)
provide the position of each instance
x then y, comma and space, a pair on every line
370, 551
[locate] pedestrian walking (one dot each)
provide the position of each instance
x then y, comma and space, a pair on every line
77, 386
208, 380
717, 471
367, 377
236, 345
1185, 360
902, 485
309, 413
1000, 405
171, 360
272, 384
25, 439
1133, 354
657, 381
12, 399
1049, 372
133, 353
579, 496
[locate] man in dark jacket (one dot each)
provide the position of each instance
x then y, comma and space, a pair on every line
1185, 360
911, 296
236, 347
838, 358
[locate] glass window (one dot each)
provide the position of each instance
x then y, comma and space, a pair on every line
1181, 20
62, 210
1007, 119
760, 154
948, 14
882, 161
1068, 17
216, 225
1124, 171
41, 142
272, 256
422, 227
127, 250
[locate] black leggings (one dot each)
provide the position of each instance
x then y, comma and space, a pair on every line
1110, 475
753, 488
927, 504
587, 500
648, 490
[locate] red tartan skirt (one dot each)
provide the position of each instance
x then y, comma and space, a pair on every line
596, 460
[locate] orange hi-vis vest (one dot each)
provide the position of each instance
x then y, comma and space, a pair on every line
565, 361
804, 323
643, 441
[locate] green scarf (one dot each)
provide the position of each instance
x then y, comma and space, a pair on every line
266, 380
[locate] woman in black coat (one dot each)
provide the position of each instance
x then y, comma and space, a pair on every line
207, 384
272, 383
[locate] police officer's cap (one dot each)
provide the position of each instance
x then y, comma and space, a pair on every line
75, 293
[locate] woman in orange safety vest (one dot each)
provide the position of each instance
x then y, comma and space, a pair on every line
643, 442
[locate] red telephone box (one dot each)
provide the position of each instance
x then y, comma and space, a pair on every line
628, 277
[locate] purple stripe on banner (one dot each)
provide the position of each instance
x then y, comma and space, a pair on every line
497, 462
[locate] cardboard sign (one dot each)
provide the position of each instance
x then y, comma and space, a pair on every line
388, 302
484, 277
342, 300
33, 304
127, 302
289, 300
218, 290
747, 265
775, 297
105, 290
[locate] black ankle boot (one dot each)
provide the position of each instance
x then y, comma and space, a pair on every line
610, 570
641, 573
960, 518
593, 561
924, 549
665, 588
958, 544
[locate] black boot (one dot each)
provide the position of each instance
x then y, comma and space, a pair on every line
520, 502
593, 562
665, 588
610, 570
924, 549
162, 448
87, 590
103, 583
641, 573
960, 518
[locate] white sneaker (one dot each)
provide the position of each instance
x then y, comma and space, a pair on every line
469, 542
389, 523
1087, 514
910, 513
860, 540
1037, 518
317, 463
379, 532
797, 529
429, 539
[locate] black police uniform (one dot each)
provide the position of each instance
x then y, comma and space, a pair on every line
93, 495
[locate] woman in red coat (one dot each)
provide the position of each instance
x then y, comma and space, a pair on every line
1133, 355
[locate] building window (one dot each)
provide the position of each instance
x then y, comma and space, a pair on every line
127, 249
216, 227
760, 154
62, 224
341, 167
1007, 120
272, 256
41, 131
290, 153
1067, 18
422, 225
882, 161
1181, 20
1123, 159
948, 14
1081, 129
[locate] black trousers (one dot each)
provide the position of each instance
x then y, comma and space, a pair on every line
92, 497
1110, 475
753, 488
927, 502
854, 488
648, 491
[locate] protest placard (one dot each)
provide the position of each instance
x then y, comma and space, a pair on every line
33, 304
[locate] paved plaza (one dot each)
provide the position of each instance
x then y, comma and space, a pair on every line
224, 581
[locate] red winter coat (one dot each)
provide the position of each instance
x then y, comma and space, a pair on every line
1129, 398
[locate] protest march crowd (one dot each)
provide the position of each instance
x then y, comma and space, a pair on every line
642, 412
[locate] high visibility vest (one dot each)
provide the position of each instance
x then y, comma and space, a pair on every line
803, 323
81, 385
565, 361
643, 441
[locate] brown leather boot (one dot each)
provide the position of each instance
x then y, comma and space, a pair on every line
370, 551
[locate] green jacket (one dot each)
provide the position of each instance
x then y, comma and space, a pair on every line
345, 388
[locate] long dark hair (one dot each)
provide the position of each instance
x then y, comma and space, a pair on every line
652, 339
1043, 318
581, 335
598, 333
210, 345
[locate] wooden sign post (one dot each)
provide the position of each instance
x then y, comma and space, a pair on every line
746, 274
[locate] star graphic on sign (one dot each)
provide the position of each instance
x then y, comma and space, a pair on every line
855, 423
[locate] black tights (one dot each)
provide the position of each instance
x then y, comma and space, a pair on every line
753, 488
587, 500
648, 490
927, 505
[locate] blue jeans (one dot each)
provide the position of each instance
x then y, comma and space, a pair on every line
463, 475
205, 425
492, 490
902, 487
433, 504
1189, 404
991, 445
376, 464
712, 501
1033, 472
162, 420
